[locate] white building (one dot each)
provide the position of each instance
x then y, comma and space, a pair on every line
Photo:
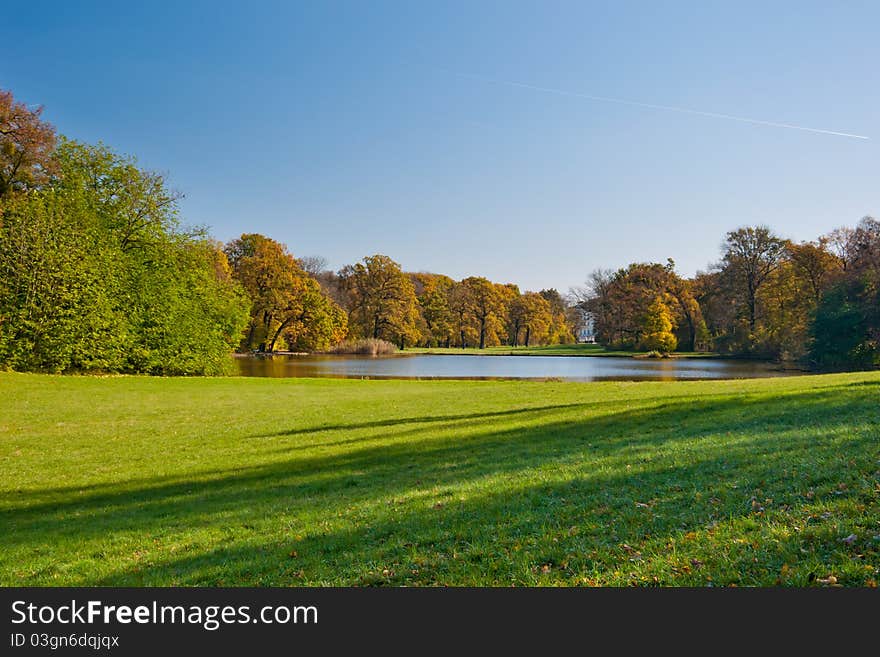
586, 328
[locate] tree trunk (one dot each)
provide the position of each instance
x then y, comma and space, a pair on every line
752, 293
283, 326
483, 333
274, 338
528, 334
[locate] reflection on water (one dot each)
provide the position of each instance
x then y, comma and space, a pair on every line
570, 368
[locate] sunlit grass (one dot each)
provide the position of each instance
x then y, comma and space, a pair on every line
238, 481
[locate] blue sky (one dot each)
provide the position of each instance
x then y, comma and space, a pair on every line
349, 128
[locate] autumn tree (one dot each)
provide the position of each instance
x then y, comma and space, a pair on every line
26, 145
750, 255
657, 328
314, 266
789, 299
485, 306
382, 300
311, 321
433, 292
816, 265
618, 301
865, 247
286, 301
460, 303
563, 321
534, 317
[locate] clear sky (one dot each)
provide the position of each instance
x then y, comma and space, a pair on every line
349, 128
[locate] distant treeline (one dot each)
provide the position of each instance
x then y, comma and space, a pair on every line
297, 305
98, 274
817, 303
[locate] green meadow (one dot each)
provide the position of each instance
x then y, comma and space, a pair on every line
247, 481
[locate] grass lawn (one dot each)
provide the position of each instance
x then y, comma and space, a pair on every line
249, 481
547, 350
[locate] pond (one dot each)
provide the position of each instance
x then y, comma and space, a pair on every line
569, 368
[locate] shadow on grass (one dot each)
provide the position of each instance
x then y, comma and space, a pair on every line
630, 476
393, 422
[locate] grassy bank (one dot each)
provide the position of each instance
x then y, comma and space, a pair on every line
549, 350
150, 481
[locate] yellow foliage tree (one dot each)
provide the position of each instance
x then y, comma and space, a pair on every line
657, 328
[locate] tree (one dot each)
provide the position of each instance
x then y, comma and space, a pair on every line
382, 301
314, 266
750, 255
434, 301
535, 317
486, 305
657, 328
310, 321
562, 326
26, 145
286, 301
74, 298
58, 284
815, 265
865, 247
135, 206
846, 331
595, 297
840, 242
460, 302
618, 301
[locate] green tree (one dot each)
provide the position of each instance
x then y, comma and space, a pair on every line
75, 297
845, 332
58, 287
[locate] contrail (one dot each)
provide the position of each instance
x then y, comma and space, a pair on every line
668, 108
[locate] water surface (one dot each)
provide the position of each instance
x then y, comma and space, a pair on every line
569, 368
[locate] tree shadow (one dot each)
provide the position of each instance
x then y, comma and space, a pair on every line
732, 451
